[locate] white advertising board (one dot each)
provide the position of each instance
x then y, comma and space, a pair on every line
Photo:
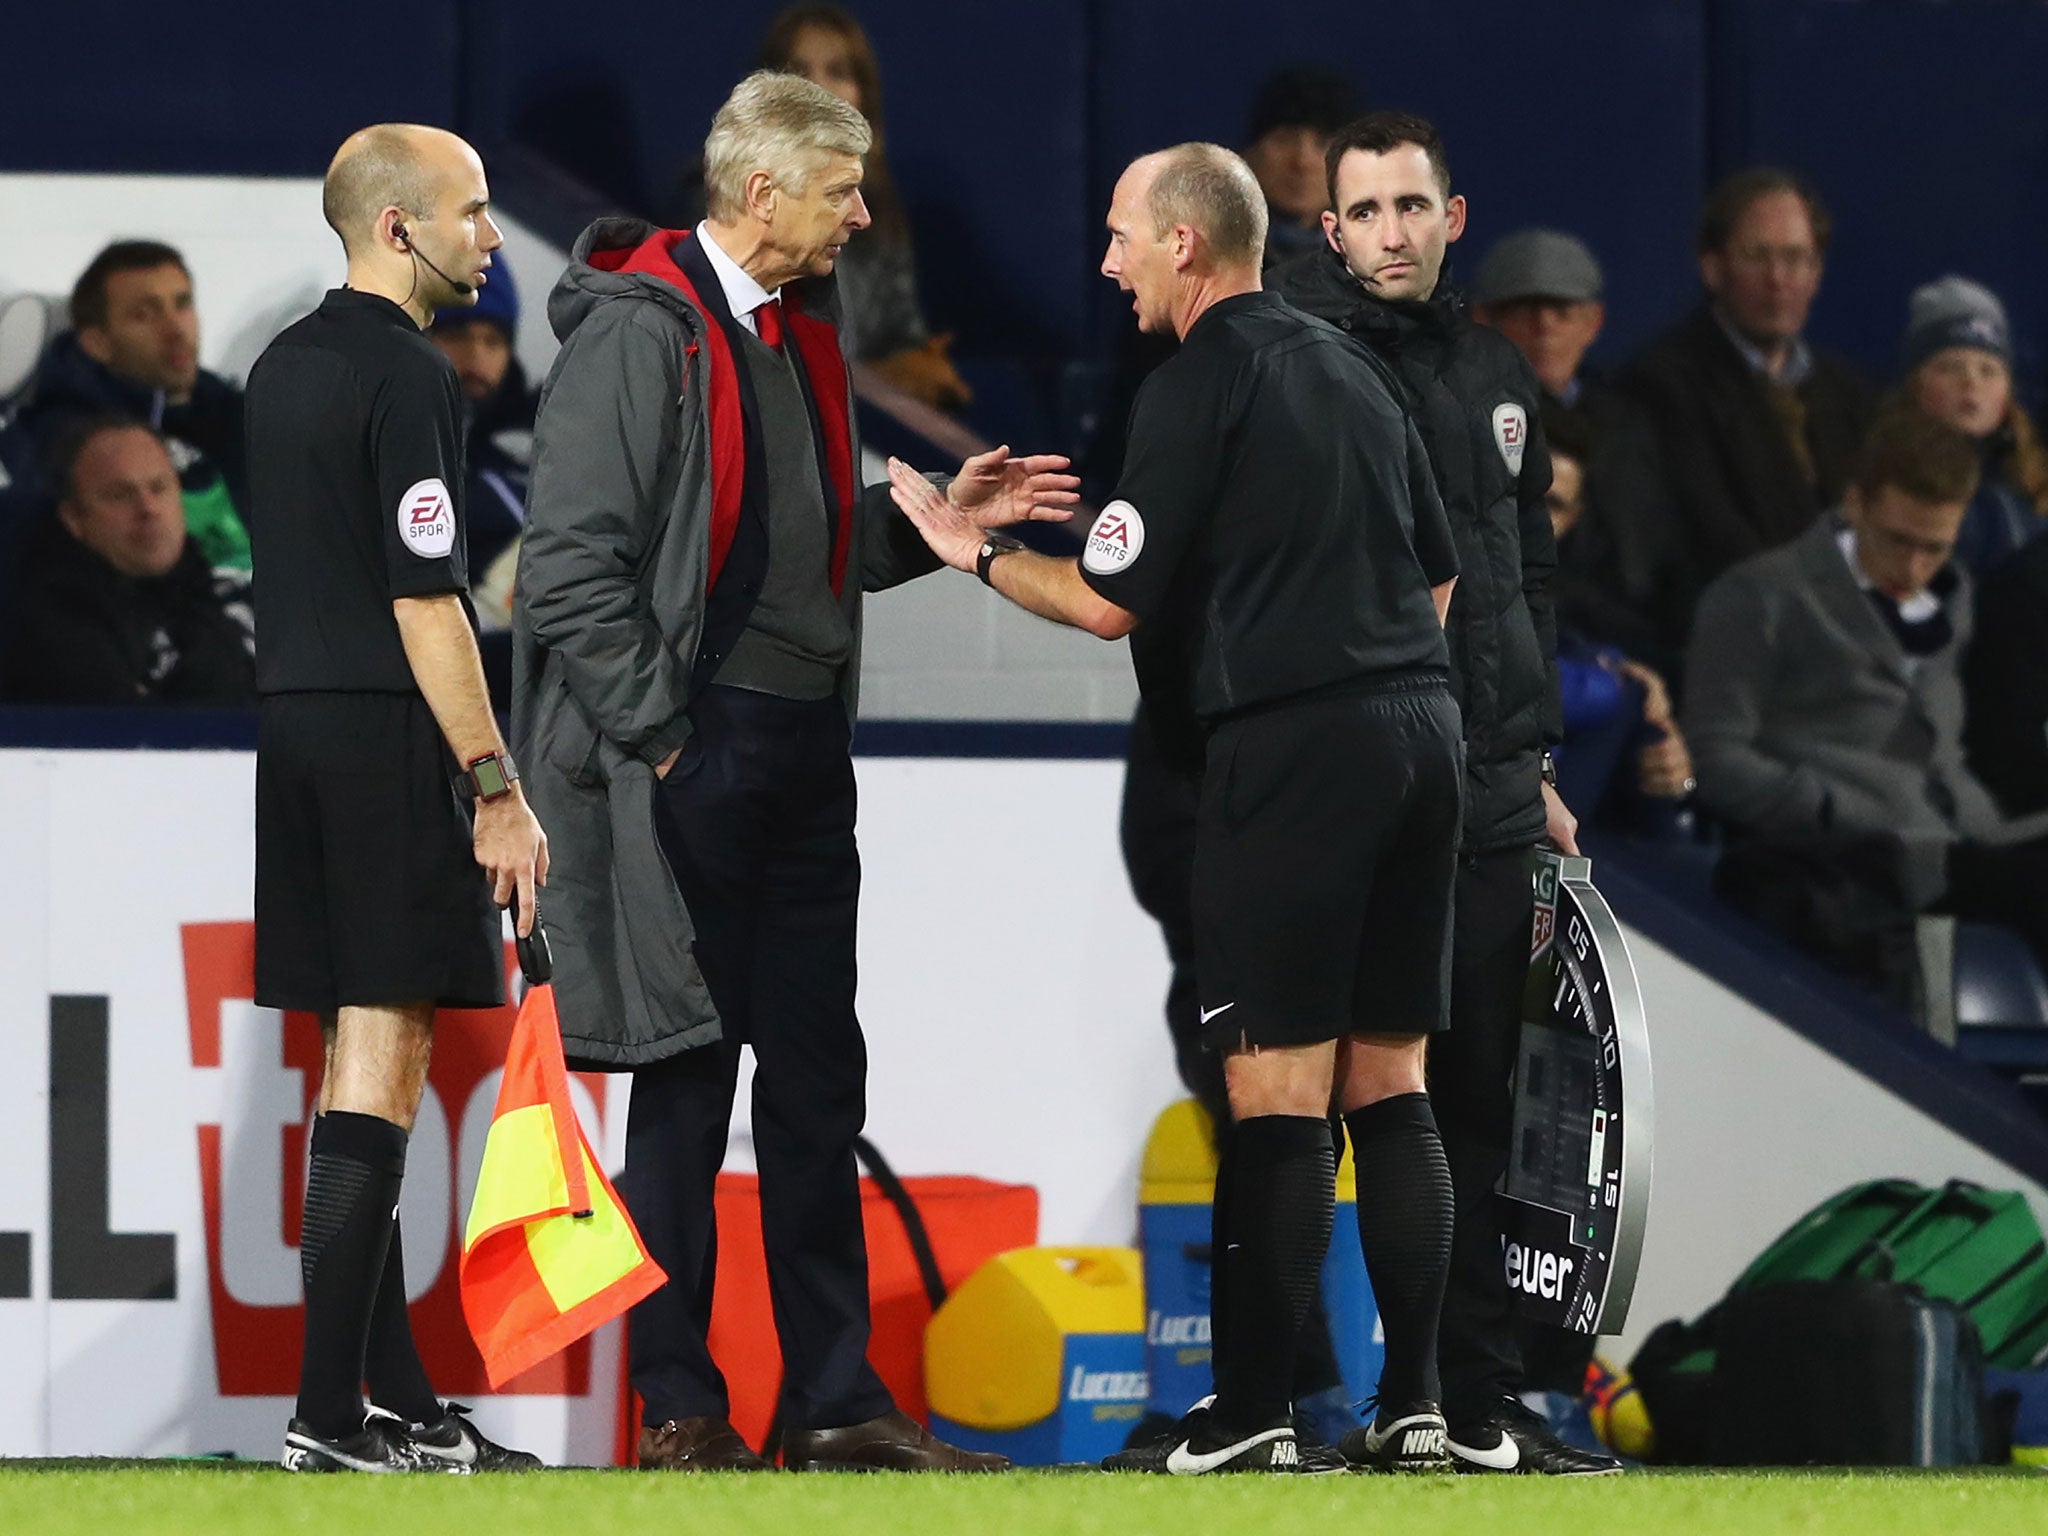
152, 1119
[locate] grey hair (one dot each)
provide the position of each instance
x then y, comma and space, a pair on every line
1210, 189
380, 168
781, 124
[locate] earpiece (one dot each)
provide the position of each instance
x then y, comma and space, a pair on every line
404, 236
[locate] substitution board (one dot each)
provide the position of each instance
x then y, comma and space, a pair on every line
1577, 1191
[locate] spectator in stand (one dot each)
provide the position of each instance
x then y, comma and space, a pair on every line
1542, 289
2005, 682
1617, 711
1958, 363
1759, 430
133, 352
498, 408
116, 603
1826, 715
1294, 116
883, 322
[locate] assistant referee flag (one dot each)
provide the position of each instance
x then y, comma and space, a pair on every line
550, 1253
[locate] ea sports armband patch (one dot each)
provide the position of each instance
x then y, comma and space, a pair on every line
426, 519
1116, 540
1511, 434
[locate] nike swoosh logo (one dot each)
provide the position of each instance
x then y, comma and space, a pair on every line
1181, 1461
1210, 1013
463, 1455
1504, 1457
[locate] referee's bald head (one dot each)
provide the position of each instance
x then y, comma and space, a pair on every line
390, 165
1210, 190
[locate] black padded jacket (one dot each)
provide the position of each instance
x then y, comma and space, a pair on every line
1478, 407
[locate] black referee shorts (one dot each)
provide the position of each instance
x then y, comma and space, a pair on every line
1325, 852
367, 891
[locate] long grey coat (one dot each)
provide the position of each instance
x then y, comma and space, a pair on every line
606, 623
1801, 710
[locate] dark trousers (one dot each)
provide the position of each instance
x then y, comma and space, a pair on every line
756, 820
1471, 1075
1481, 1341
1156, 827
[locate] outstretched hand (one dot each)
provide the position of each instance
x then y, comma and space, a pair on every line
997, 490
954, 536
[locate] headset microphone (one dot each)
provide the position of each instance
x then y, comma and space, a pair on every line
399, 232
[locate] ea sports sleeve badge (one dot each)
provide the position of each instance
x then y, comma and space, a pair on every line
1577, 1192
426, 519
550, 1253
1116, 540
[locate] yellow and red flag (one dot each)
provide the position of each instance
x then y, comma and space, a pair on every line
550, 1253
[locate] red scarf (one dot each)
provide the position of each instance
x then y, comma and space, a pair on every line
817, 346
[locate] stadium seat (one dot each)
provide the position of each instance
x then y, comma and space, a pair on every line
2002, 1008
27, 322
1998, 980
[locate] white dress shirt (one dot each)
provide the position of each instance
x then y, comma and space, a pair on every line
742, 294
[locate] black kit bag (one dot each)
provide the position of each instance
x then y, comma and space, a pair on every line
1852, 1372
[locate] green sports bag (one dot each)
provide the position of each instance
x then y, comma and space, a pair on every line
1979, 1248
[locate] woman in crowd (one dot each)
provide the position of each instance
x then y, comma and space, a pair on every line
1958, 360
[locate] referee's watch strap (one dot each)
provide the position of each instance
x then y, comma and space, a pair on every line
488, 778
993, 546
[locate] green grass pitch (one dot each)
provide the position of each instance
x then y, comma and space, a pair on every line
128, 1499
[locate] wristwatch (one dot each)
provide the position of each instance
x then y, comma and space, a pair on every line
489, 777
993, 545
1549, 768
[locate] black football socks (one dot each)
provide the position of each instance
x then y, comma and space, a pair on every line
392, 1366
1316, 1371
352, 1187
1271, 1242
1404, 1226
1219, 1243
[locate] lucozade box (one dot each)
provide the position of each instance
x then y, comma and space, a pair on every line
1041, 1356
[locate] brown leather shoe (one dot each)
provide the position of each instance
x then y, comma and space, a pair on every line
708, 1444
893, 1443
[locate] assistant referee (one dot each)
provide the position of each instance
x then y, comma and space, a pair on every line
1277, 547
377, 884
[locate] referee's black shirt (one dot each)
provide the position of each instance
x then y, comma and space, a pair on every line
1276, 528
355, 480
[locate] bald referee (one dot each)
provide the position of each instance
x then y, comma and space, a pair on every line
390, 826
1278, 554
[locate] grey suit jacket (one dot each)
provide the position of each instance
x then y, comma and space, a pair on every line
1802, 711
